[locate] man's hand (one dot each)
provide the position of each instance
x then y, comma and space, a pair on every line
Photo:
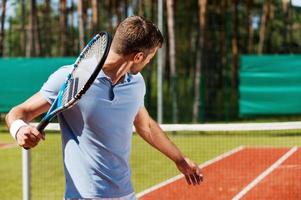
191, 171
28, 136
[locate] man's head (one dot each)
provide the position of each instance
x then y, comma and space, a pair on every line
136, 41
136, 34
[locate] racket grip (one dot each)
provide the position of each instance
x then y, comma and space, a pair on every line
42, 125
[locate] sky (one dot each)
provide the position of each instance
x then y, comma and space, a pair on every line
296, 3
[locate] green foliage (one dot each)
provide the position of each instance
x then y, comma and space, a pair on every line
281, 36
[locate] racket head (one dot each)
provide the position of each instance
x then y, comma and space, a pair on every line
85, 70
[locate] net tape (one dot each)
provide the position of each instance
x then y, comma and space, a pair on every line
218, 127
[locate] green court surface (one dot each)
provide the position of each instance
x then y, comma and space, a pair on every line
149, 167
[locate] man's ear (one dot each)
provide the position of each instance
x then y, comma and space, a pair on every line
138, 57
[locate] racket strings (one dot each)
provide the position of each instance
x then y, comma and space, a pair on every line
97, 49
84, 68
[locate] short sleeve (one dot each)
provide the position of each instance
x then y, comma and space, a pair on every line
143, 93
54, 83
142, 90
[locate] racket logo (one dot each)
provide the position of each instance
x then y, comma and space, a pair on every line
74, 88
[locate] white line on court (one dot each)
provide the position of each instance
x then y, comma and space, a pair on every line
7, 146
205, 164
265, 173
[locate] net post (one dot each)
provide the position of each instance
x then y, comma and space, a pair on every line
160, 66
26, 173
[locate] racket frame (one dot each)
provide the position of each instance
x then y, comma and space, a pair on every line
56, 106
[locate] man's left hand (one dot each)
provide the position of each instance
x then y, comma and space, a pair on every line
191, 171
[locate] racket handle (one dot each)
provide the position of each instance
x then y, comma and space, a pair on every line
42, 125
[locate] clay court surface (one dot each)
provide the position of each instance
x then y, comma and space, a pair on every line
243, 173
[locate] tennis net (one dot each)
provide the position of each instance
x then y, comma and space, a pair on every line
200, 142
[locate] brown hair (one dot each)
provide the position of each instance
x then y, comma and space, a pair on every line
136, 34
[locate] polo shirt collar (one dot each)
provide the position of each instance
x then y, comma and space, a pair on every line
127, 78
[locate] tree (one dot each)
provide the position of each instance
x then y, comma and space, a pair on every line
63, 28
270, 28
30, 46
235, 59
263, 24
95, 16
135, 6
199, 58
23, 30
223, 58
142, 5
172, 58
2, 31
33, 47
109, 8
287, 17
249, 27
36, 31
74, 40
222, 35
235, 53
117, 11
47, 29
81, 25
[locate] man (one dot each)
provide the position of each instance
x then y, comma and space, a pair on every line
96, 132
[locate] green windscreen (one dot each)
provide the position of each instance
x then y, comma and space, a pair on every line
20, 78
270, 85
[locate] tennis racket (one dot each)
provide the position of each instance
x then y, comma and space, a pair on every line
84, 72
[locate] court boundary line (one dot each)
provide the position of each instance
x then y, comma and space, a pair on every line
175, 178
7, 145
265, 173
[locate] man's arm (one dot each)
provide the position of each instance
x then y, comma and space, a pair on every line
26, 135
151, 132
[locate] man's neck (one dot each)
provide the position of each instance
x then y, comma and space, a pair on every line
116, 66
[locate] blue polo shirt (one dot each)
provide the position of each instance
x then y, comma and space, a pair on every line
97, 134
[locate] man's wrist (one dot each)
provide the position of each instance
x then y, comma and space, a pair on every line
180, 160
15, 126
